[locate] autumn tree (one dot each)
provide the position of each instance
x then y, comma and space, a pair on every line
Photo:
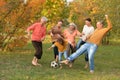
17, 15
96, 10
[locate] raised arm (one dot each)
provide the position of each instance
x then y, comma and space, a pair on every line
109, 25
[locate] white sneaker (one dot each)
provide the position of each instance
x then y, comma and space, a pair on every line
91, 71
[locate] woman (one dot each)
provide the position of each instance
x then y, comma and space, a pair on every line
38, 35
70, 35
88, 29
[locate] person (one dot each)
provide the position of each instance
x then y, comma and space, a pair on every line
55, 32
70, 34
91, 44
62, 46
38, 35
88, 29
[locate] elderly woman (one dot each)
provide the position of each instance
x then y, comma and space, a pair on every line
38, 35
70, 34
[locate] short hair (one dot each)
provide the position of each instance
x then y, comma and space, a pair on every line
44, 18
101, 22
88, 19
72, 24
60, 21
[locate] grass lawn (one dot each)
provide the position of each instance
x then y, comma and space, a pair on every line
17, 65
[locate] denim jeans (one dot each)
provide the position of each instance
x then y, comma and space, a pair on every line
65, 53
90, 48
81, 42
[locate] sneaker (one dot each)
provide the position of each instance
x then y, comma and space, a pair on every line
91, 71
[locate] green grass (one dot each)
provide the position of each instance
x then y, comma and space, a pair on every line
17, 65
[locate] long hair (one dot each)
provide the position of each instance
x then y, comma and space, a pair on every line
61, 41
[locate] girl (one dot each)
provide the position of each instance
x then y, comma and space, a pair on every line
62, 46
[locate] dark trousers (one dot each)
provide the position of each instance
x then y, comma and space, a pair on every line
55, 50
72, 49
38, 48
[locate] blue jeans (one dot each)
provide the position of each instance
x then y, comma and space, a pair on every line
90, 48
65, 53
81, 42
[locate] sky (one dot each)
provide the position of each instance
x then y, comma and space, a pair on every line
69, 0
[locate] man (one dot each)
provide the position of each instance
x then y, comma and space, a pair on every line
91, 44
38, 35
55, 33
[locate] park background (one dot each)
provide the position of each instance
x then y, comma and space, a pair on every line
16, 51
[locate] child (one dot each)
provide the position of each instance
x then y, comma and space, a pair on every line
62, 48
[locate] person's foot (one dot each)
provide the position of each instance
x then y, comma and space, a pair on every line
33, 63
91, 71
86, 65
70, 65
60, 66
38, 64
65, 61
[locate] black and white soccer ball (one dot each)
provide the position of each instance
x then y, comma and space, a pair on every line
54, 64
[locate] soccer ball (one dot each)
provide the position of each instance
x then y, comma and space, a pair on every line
54, 64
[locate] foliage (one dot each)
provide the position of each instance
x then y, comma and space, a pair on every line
15, 17
96, 9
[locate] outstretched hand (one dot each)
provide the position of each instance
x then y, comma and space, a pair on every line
106, 16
